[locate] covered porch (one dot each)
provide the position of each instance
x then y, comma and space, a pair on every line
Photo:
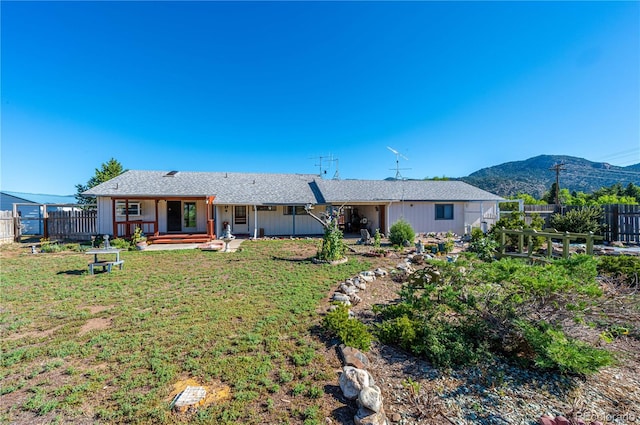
165, 220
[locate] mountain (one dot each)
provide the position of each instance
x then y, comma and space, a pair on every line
535, 176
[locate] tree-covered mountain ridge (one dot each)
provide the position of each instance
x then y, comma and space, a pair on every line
535, 176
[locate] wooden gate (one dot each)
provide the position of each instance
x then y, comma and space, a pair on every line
622, 223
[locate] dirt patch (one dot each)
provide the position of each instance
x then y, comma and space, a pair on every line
95, 309
97, 323
33, 334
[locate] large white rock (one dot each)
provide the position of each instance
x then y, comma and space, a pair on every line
352, 381
371, 398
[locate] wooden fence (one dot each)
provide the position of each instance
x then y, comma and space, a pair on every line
7, 226
525, 237
621, 222
70, 225
74, 225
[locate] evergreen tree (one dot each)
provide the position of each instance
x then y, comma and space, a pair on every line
108, 170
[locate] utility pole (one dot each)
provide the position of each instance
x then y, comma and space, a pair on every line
558, 167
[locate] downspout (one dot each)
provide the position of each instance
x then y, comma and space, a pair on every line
255, 222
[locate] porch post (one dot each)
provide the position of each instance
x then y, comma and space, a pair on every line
156, 229
210, 223
127, 229
113, 217
255, 222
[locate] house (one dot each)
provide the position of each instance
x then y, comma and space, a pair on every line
195, 206
31, 208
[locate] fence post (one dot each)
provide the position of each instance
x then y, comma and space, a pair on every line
520, 241
565, 245
503, 240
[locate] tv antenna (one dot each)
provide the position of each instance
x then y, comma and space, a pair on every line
398, 156
322, 171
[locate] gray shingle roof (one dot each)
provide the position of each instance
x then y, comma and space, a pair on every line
340, 191
283, 189
228, 188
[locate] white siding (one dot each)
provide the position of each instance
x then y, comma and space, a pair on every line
105, 216
421, 216
274, 223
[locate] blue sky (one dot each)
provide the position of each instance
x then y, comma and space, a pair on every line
273, 86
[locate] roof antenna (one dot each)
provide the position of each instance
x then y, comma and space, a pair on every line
398, 155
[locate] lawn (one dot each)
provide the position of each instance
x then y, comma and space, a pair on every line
110, 347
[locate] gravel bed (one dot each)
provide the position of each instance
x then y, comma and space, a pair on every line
496, 393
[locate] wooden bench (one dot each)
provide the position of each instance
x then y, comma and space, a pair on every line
106, 265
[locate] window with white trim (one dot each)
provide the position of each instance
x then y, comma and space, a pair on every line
134, 208
444, 211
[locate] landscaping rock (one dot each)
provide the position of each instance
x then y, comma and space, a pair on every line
352, 381
367, 278
360, 284
380, 272
348, 289
355, 300
365, 416
371, 398
342, 298
353, 357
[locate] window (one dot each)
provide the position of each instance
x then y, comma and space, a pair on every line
266, 208
288, 210
444, 211
189, 214
240, 214
134, 208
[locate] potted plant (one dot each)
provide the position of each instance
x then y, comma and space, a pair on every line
139, 240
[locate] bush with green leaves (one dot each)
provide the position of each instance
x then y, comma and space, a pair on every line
351, 332
484, 247
582, 220
622, 266
554, 350
120, 243
401, 233
332, 247
458, 313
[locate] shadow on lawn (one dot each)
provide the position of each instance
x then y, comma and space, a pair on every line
293, 259
73, 272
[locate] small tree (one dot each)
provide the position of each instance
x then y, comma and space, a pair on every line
401, 232
109, 170
333, 247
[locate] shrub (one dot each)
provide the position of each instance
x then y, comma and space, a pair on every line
623, 266
351, 332
120, 243
48, 247
401, 232
333, 247
554, 350
377, 239
458, 313
583, 220
484, 247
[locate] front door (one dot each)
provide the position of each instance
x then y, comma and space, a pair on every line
174, 216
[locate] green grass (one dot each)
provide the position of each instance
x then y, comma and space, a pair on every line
244, 319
